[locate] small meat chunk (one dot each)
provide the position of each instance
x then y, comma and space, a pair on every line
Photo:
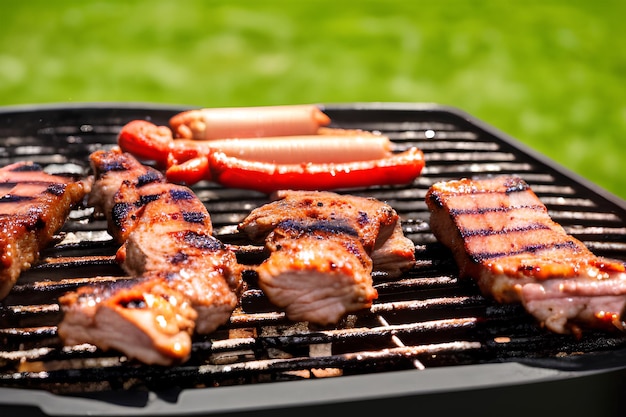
111, 169
316, 272
146, 319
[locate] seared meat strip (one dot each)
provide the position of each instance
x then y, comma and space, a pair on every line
166, 227
151, 217
170, 230
165, 231
317, 271
502, 236
200, 267
146, 319
376, 223
111, 169
34, 205
323, 247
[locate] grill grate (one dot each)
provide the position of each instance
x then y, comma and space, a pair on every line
425, 319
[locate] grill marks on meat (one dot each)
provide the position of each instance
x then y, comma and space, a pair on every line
34, 205
160, 218
317, 271
502, 236
173, 233
112, 169
165, 231
376, 223
322, 248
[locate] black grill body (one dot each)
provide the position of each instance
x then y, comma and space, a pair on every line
430, 342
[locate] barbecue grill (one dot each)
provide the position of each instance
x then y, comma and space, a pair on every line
430, 343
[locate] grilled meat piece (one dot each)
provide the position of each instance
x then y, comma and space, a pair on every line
317, 271
170, 230
201, 268
323, 247
502, 236
162, 226
165, 231
111, 170
34, 205
395, 254
376, 223
145, 318
152, 221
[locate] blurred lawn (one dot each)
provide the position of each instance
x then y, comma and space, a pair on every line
549, 73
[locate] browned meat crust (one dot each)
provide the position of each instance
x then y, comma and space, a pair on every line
33, 207
317, 271
376, 223
165, 232
502, 236
145, 319
160, 219
322, 247
111, 169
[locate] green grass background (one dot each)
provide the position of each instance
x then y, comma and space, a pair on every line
547, 72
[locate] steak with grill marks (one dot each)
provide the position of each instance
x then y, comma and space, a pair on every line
317, 271
322, 248
112, 169
165, 227
502, 236
165, 231
149, 217
33, 207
